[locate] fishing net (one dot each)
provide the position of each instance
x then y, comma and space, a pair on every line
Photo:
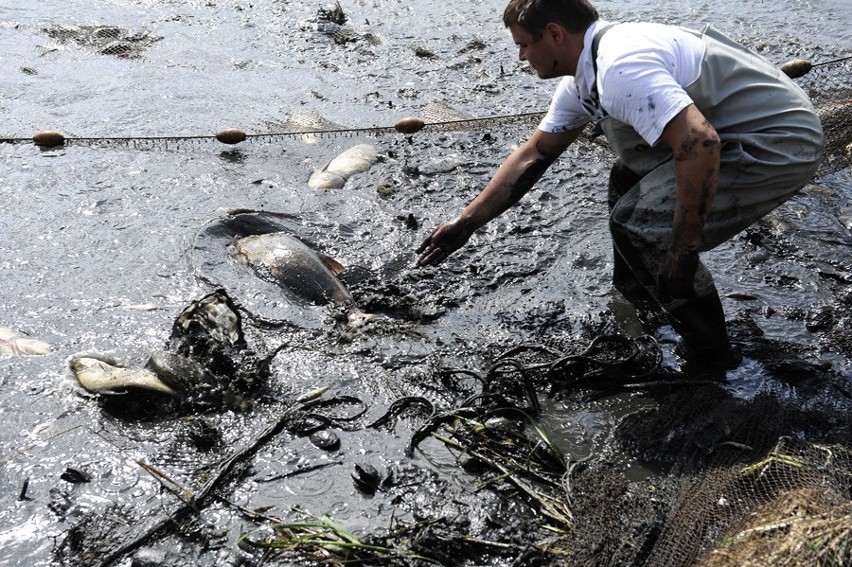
731, 495
830, 88
828, 84
765, 480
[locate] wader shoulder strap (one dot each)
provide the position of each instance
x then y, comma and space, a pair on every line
595, 42
597, 39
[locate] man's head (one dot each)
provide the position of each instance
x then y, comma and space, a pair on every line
533, 15
549, 33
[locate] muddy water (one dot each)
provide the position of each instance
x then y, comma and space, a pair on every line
98, 244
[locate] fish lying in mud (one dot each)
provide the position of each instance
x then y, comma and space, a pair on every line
207, 365
305, 273
356, 159
165, 372
99, 376
15, 342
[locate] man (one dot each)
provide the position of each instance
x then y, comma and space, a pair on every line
709, 136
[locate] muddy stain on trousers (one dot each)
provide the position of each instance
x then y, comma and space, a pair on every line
772, 143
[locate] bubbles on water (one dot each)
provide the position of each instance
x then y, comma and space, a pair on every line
117, 477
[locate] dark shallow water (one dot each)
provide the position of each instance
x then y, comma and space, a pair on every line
97, 253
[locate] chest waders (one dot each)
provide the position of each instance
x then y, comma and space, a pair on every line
771, 144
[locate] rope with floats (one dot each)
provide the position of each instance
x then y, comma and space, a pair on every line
46, 139
800, 67
233, 136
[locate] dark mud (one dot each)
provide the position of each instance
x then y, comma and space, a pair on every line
105, 244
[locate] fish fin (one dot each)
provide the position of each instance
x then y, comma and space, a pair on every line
333, 265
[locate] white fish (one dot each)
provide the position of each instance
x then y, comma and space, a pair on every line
15, 342
298, 269
356, 159
100, 377
141, 307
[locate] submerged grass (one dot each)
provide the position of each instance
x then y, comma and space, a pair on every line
321, 538
532, 463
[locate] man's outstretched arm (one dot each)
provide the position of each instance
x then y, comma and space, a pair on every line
521, 170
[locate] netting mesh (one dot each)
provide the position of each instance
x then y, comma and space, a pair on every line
740, 473
765, 481
105, 40
830, 88
829, 84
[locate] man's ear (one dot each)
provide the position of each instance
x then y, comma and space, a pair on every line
554, 32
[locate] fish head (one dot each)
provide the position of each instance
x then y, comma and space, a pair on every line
99, 376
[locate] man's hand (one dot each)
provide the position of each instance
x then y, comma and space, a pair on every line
444, 240
677, 274
512, 180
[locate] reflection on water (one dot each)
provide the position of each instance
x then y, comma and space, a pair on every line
87, 228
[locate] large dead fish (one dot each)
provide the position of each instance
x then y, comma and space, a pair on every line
356, 159
99, 376
165, 372
206, 365
305, 273
15, 342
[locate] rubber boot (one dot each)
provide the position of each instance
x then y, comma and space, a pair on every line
629, 286
704, 345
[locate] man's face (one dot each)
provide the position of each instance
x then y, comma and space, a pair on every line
549, 54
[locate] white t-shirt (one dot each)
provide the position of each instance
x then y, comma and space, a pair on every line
642, 71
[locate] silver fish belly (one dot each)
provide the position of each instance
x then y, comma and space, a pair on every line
356, 159
298, 269
14, 342
100, 377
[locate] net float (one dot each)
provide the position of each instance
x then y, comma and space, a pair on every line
49, 138
796, 68
409, 125
231, 136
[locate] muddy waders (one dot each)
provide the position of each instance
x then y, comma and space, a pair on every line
771, 146
700, 321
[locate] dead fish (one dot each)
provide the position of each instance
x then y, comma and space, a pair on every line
438, 166
356, 159
101, 377
297, 268
15, 342
310, 124
206, 365
141, 307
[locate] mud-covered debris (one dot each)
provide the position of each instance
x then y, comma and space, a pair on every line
203, 434
75, 476
325, 439
334, 15
366, 478
820, 318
